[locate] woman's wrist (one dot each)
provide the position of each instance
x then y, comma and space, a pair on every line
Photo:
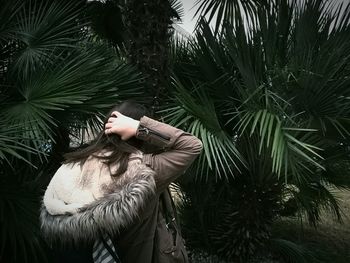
135, 126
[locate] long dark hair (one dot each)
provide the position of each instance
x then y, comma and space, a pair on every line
120, 150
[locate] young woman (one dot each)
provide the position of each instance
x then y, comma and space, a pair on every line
113, 197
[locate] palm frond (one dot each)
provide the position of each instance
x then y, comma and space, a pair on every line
225, 11
292, 252
177, 9
319, 59
43, 30
79, 85
9, 11
283, 141
14, 145
336, 173
198, 116
19, 206
313, 198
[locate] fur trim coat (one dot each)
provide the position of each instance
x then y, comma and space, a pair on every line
81, 202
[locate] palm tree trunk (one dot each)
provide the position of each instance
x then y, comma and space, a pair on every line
147, 23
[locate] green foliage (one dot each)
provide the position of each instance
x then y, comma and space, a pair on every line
327, 243
232, 218
277, 87
226, 11
198, 113
47, 78
267, 93
55, 84
291, 251
19, 213
140, 30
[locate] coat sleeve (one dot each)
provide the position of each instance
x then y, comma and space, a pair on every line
180, 150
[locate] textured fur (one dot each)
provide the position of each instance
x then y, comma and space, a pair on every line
119, 206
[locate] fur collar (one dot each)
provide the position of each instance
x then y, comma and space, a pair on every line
118, 207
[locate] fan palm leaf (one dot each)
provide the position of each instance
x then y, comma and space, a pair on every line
8, 14
72, 87
197, 114
226, 11
19, 208
283, 141
54, 83
279, 88
291, 251
43, 29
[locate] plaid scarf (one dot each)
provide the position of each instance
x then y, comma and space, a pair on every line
104, 251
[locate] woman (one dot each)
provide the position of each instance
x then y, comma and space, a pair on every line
111, 190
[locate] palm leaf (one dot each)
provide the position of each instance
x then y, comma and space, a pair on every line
197, 115
43, 30
226, 11
313, 198
71, 87
177, 9
12, 144
282, 141
9, 11
322, 71
292, 252
19, 205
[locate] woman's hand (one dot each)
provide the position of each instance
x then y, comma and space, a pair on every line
122, 125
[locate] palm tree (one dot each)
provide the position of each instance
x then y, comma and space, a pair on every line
54, 83
141, 31
269, 99
148, 27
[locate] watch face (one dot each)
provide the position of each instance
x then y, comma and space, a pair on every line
143, 130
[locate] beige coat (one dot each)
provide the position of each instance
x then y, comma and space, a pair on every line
155, 237
140, 211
